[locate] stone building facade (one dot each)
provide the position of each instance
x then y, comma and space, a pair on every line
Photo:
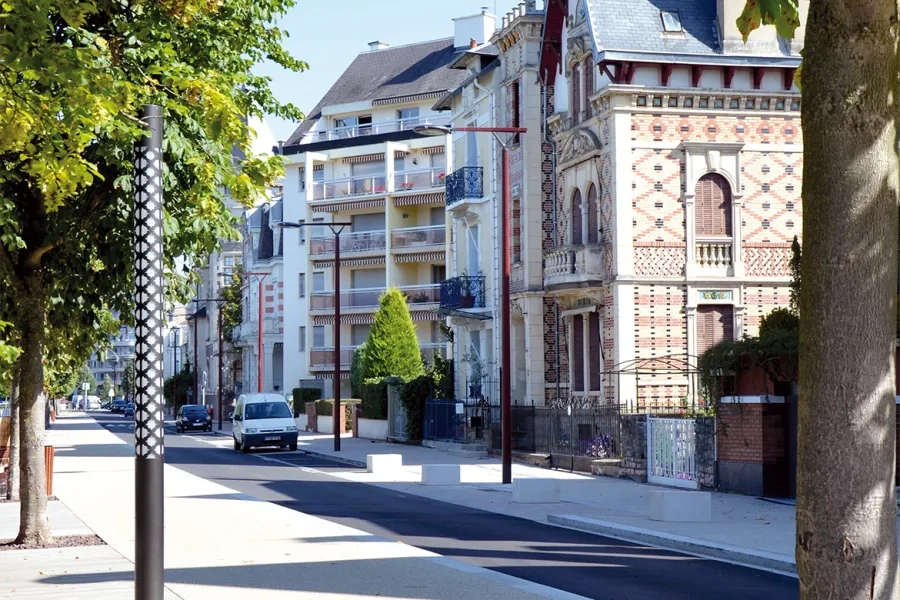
676, 196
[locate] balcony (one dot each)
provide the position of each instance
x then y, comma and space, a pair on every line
356, 131
712, 256
418, 295
412, 239
351, 243
573, 266
463, 293
465, 186
352, 300
323, 358
249, 331
341, 189
425, 179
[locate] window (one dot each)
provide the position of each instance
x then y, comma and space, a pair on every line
359, 334
365, 124
712, 206
229, 262
595, 352
471, 147
593, 212
303, 285
408, 117
588, 85
319, 336
714, 324
576, 95
577, 218
318, 281
318, 231
302, 232
671, 21
578, 353
439, 161
514, 108
437, 215
302, 345
368, 222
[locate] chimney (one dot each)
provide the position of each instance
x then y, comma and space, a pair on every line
473, 43
478, 27
530, 6
376, 45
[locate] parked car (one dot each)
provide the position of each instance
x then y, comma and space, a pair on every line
129, 410
118, 406
263, 420
193, 416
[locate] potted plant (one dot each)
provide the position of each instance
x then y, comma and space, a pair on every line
467, 292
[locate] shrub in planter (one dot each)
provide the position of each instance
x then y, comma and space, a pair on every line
357, 368
374, 398
303, 395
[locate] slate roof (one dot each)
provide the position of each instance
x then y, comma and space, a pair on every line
636, 25
389, 73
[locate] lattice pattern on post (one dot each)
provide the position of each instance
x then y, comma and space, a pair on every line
767, 260
148, 281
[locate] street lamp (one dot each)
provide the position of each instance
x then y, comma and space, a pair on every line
505, 370
336, 229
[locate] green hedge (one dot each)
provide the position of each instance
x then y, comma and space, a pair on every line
413, 397
302, 396
374, 398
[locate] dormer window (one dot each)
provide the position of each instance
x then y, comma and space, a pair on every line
671, 21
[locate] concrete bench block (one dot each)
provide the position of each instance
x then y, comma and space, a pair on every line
680, 507
380, 463
440, 474
535, 491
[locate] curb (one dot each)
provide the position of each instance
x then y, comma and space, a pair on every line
745, 556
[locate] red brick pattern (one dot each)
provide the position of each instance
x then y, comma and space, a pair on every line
657, 207
772, 211
761, 300
740, 434
748, 128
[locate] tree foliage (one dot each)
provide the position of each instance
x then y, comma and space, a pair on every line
392, 349
232, 308
73, 76
796, 258
128, 379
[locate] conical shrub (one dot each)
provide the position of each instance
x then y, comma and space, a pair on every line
392, 349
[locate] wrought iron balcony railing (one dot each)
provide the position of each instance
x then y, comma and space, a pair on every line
465, 183
462, 293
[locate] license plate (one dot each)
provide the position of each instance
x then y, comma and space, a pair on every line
199, 423
272, 438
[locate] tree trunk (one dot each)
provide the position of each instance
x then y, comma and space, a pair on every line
846, 510
12, 489
34, 528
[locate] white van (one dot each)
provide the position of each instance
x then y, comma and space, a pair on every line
263, 420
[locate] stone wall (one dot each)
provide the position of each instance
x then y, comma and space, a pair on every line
705, 451
311, 421
633, 444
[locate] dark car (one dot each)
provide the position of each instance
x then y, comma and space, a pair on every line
129, 409
117, 406
193, 416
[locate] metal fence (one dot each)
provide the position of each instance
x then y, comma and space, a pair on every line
592, 432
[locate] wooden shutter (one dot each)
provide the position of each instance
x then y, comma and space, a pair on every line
514, 108
715, 324
592, 215
588, 86
595, 362
576, 95
712, 206
577, 225
578, 353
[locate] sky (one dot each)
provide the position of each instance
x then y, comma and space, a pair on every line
329, 34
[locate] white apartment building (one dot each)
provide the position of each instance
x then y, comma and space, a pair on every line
118, 355
358, 160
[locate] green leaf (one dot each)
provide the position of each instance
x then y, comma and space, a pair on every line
783, 14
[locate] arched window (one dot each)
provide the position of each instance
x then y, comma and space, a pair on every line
712, 206
588, 85
593, 212
578, 353
577, 218
576, 95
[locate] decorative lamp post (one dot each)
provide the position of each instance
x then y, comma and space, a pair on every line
505, 301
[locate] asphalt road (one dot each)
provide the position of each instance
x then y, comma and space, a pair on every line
580, 563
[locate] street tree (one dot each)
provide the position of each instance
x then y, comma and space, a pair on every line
72, 79
128, 379
105, 388
232, 310
846, 544
392, 349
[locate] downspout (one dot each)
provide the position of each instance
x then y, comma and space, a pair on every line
549, 140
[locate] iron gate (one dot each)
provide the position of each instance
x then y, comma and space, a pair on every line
671, 452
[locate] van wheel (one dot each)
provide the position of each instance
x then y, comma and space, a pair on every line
293, 447
244, 447
236, 445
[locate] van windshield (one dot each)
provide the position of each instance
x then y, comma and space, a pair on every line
267, 410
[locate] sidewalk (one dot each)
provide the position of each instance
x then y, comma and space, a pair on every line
268, 551
744, 529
